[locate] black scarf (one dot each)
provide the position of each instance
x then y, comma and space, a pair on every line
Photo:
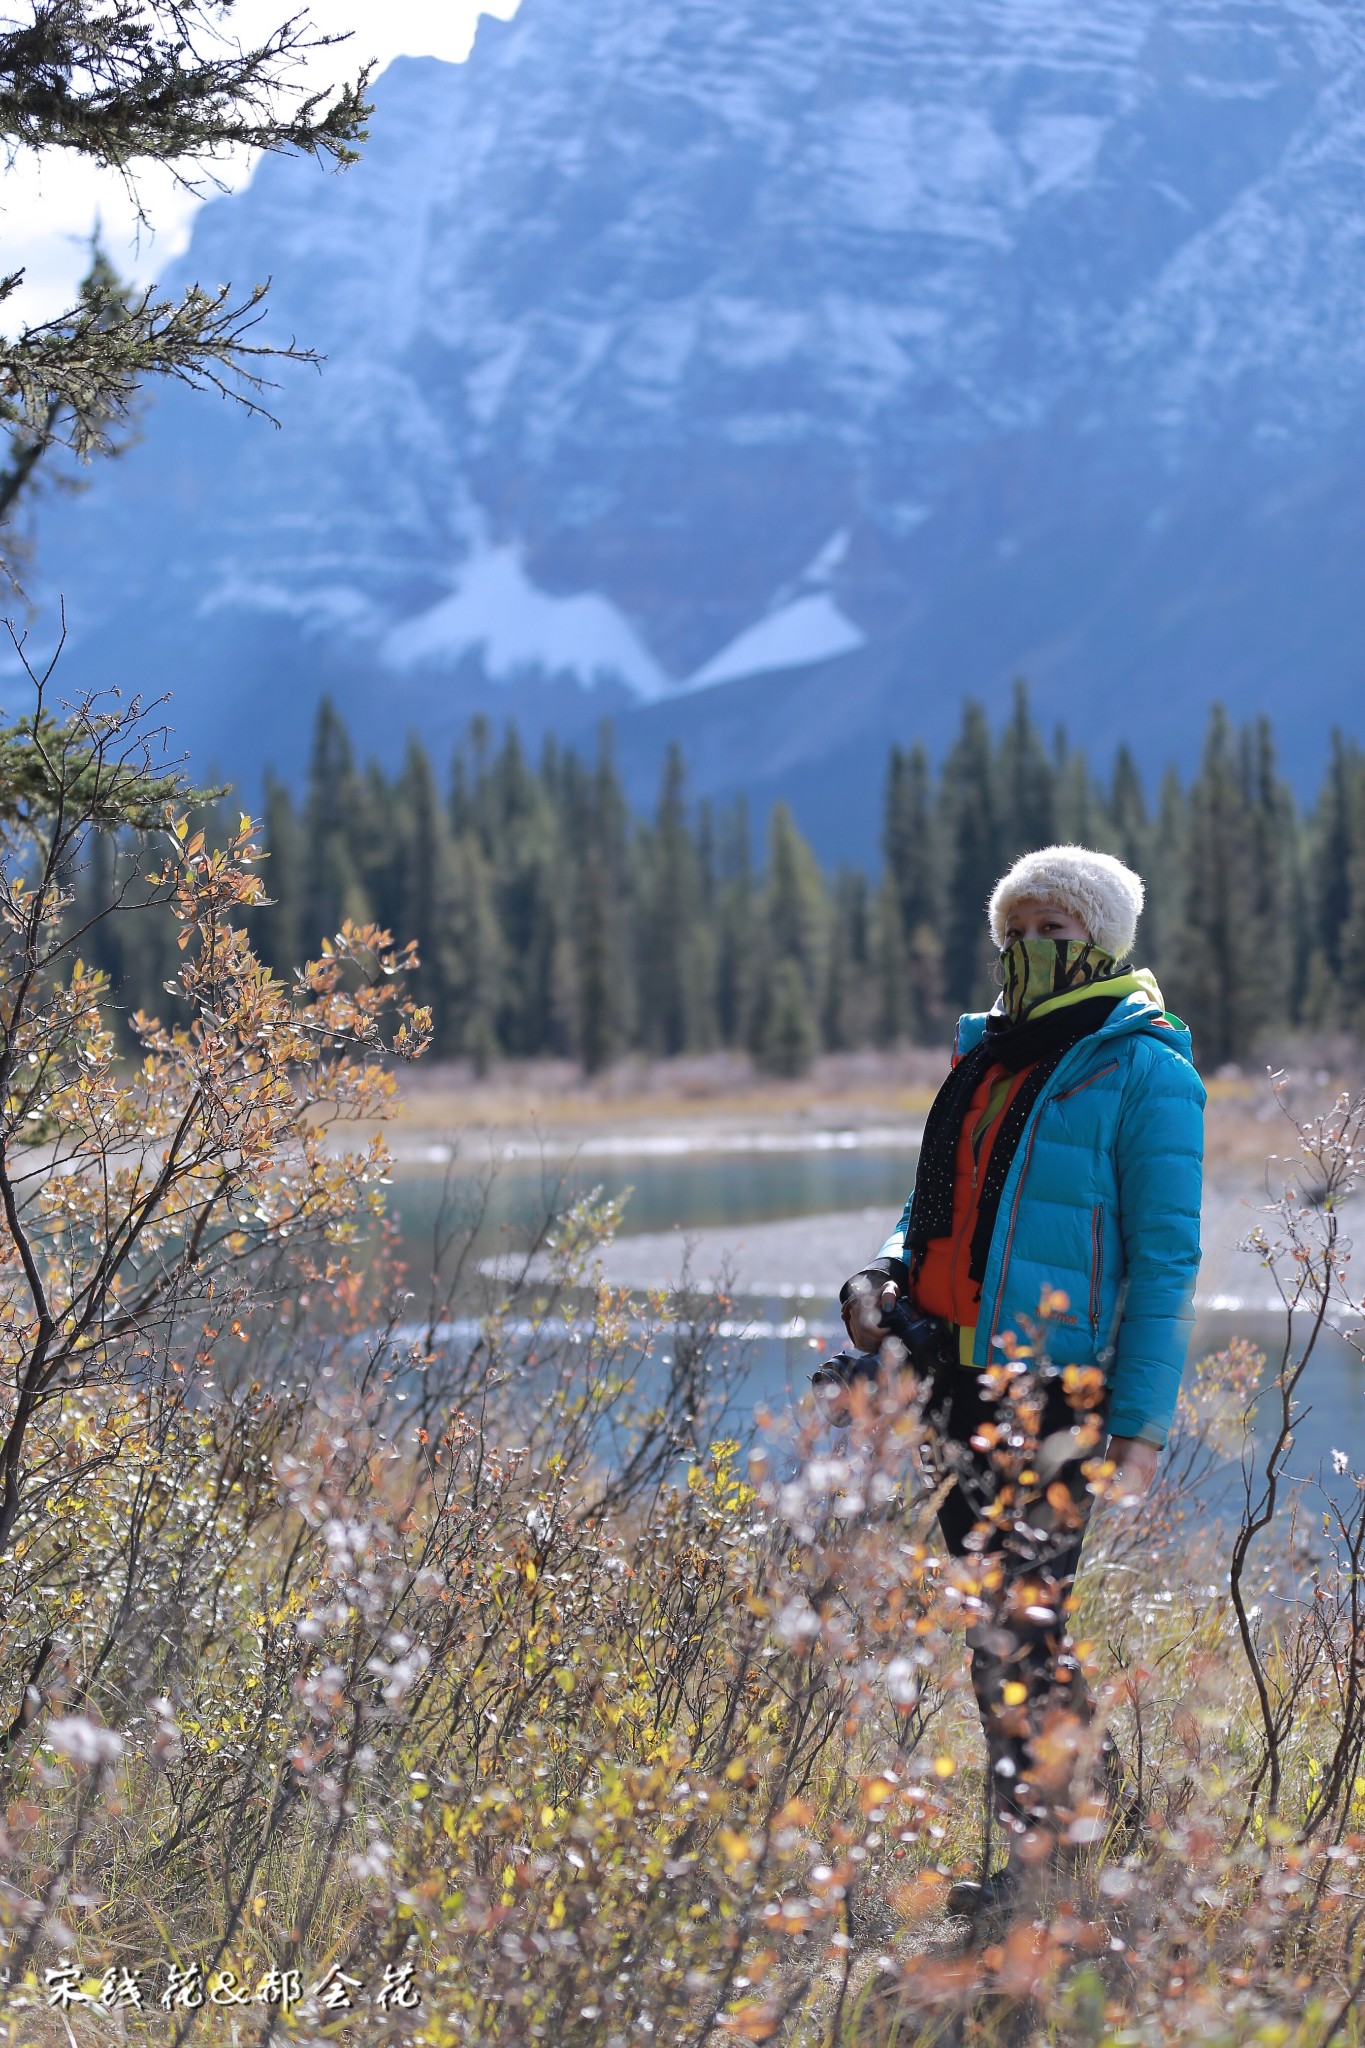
1039, 1043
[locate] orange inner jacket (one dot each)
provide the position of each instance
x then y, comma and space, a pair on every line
943, 1287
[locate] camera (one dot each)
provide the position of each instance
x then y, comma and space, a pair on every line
926, 1341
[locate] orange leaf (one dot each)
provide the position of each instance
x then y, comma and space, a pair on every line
753, 2021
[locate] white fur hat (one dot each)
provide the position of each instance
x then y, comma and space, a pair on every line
1099, 890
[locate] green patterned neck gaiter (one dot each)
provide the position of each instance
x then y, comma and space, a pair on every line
1035, 969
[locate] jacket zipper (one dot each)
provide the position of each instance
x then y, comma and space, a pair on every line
1019, 1190
1098, 1075
1009, 1241
1096, 1267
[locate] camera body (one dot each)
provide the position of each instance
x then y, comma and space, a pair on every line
926, 1341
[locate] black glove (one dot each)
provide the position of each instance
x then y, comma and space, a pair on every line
875, 1278
926, 1342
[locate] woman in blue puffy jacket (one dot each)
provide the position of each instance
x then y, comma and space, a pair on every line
1061, 1162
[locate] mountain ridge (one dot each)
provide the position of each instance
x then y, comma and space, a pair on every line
773, 376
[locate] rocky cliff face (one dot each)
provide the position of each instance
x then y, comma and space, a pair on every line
775, 372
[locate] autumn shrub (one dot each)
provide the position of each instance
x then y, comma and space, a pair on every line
450, 1666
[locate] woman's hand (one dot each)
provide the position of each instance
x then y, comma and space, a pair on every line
863, 1313
1137, 1461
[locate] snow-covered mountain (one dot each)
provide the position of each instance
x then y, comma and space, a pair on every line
775, 373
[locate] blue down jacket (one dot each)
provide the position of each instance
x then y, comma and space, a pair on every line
1102, 1202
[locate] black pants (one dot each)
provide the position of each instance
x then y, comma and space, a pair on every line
1032, 1740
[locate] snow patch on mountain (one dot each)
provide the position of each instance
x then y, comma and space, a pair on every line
809, 630
827, 559
320, 606
497, 611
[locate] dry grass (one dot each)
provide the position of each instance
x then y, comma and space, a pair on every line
455, 1686
847, 1088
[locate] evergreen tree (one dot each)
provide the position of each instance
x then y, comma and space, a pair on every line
1336, 844
377, 849
477, 954
523, 846
789, 1041
796, 910
910, 998
736, 937
1080, 818
791, 949
332, 889
1128, 813
972, 833
1163, 917
598, 1034
1026, 785
1275, 966
426, 895
891, 968
910, 838
671, 998
1350, 933
1213, 979
848, 1019
278, 929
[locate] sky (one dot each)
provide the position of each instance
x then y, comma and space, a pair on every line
49, 204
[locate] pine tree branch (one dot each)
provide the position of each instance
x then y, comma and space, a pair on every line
142, 81
28, 452
71, 381
130, 82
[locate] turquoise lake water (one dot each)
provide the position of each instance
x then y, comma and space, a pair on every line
697, 1189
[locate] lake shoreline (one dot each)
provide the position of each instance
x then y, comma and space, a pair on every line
720, 1102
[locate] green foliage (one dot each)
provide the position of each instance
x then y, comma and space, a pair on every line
788, 1043
82, 764
1235, 966
972, 805
551, 922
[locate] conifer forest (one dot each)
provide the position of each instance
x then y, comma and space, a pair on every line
550, 921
